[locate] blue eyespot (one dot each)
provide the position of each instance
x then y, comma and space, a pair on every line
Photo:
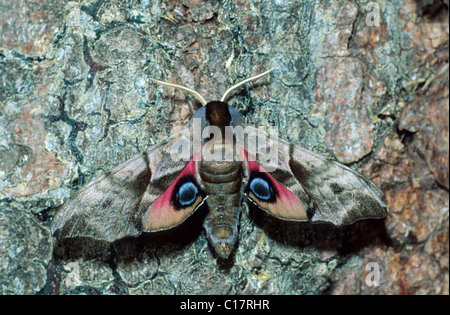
187, 194
261, 188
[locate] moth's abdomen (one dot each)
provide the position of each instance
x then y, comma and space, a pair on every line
222, 182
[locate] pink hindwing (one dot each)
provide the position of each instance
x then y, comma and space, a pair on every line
271, 196
177, 203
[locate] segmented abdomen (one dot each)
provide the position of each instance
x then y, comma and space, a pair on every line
222, 182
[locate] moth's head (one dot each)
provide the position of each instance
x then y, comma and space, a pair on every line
216, 113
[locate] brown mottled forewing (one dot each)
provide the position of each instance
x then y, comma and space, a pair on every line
329, 191
112, 206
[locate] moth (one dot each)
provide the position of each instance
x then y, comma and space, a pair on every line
158, 190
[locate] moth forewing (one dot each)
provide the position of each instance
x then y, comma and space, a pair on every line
267, 148
181, 149
332, 186
197, 130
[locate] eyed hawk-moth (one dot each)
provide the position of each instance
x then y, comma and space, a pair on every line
156, 190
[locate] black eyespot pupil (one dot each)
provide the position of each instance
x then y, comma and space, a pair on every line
261, 188
187, 194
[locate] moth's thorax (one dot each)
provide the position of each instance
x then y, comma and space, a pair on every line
218, 114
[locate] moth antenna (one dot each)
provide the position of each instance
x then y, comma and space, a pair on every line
183, 88
227, 93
